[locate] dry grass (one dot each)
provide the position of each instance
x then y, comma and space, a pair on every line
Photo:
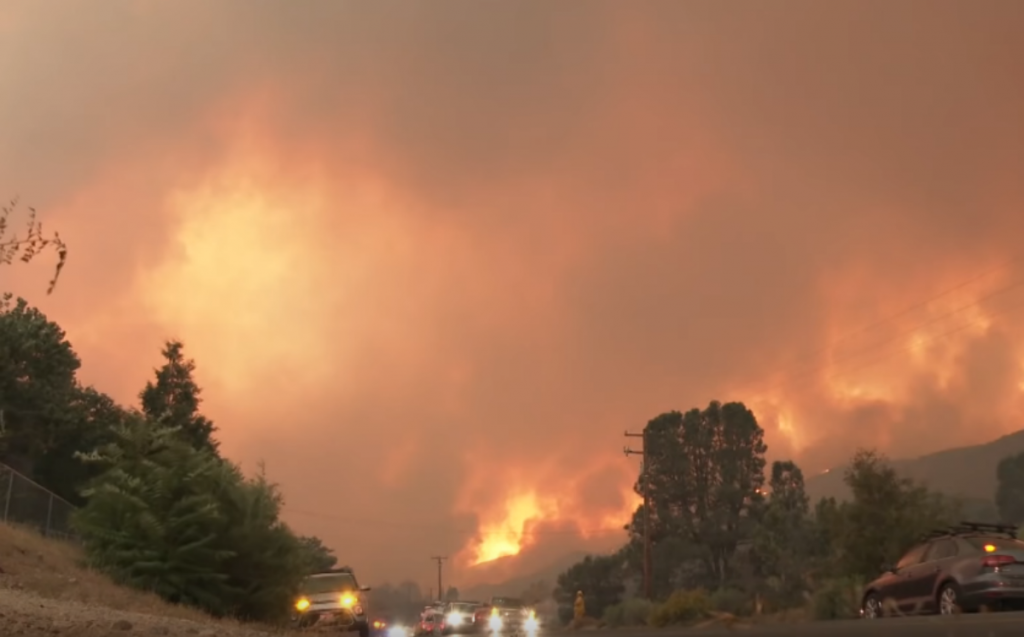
44, 587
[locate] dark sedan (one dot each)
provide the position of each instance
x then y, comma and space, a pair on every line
965, 568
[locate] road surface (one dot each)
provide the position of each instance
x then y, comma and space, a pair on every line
973, 625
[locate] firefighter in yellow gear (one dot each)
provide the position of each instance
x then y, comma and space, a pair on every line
579, 607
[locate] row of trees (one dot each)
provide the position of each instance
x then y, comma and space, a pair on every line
160, 507
724, 522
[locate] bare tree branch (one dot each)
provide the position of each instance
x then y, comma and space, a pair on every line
27, 247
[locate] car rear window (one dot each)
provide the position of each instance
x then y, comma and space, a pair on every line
1000, 543
507, 602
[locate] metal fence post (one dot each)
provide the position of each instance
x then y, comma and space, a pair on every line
49, 515
10, 486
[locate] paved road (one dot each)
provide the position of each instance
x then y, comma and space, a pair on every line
973, 625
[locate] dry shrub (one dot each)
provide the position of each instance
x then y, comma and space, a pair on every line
836, 599
631, 612
682, 607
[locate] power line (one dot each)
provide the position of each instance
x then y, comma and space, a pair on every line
810, 372
647, 507
915, 306
440, 559
886, 355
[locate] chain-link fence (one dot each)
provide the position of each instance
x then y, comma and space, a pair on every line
27, 503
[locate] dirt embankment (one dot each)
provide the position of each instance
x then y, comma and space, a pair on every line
45, 591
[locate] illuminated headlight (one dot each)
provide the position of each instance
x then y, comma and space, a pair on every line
347, 600
455, 619
398, 631
531, 624
302, 604
495, 622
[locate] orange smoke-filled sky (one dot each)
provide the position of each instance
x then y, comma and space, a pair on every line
433, 258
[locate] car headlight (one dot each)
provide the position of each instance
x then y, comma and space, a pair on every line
398, 631
495, 622
531, 623
454, 619
302, 604
348, 600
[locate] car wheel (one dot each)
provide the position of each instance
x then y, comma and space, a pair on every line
949, 599
872, 608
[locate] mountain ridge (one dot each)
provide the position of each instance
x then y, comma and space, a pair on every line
968, 471
515, 586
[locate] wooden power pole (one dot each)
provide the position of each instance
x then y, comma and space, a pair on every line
440, 562
644, 482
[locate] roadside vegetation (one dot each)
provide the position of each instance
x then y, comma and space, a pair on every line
732, 537
160, 509
162, 513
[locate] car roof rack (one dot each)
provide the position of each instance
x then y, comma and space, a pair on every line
335, 571
966, 528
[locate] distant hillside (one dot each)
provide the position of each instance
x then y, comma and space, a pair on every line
515, 586
968, 472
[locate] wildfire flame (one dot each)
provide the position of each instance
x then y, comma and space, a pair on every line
507, 536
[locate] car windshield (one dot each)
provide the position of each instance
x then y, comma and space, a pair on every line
1001, 543
507, 602
332, 583
463, 608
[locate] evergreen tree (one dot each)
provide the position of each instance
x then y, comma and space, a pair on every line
188, 525
152, 519
173, 400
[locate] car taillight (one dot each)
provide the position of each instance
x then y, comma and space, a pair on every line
995, 561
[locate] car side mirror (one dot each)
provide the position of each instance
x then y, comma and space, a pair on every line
365, 589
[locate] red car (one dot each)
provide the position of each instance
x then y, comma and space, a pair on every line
431, 623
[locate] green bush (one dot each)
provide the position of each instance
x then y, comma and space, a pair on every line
188, 526
732, 601
682, 607
836, 599
632, 612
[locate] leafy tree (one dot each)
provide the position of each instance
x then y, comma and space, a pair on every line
93, 418
600, 579
706, 473
886, 516
782, 542
1010, 492
37, 382
26, 248
826, 533
46, 416
319, 557
173, 400
268, 561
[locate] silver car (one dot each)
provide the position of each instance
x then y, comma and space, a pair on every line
333, 598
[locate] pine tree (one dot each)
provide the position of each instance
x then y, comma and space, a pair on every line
173, 400
153, 520
187, 525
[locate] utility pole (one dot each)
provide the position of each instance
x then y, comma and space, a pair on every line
644, 482
440, 561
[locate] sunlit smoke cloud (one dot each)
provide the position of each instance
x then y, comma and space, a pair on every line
433, 261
